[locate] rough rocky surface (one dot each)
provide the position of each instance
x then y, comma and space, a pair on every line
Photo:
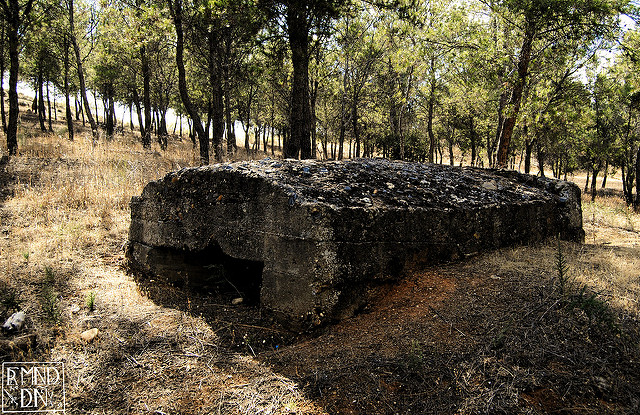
310, 241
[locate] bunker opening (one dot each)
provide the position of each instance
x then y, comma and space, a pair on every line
212, 271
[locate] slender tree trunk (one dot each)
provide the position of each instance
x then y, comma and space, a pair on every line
49, 108
146, 98
472, 138
141, 125
299, 143
516, 94
226, 65
586, 186
95, 104
528, 144
110, 111
68, 113
41, 113
636, 204
175, 8
540, 158
594, 184
14, 68
83, 87
430, 108
130, 116
2, 69
217, 104
314, 119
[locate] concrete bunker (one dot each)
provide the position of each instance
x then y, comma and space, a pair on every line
310, 241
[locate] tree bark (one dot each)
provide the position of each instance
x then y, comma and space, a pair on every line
175, 8
516, 94
217, 105
430, 109
49, 108
68, 113
2, 69
594, 184
143, 132
146, 98
299, 143
231, 137
528, 144
12, 15
636, 204
83, 88
40, 111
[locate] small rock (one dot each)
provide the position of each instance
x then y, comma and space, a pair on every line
75, 308
490, 185
237, 301
15, 322
89, 335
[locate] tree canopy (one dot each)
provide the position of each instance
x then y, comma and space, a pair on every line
490, 82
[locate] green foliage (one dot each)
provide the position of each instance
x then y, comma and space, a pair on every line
562, 270
9, 298
415, 359
49, 297
577, 296
595, 308
401, 79
91, 301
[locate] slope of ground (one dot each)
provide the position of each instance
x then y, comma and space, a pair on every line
491, 334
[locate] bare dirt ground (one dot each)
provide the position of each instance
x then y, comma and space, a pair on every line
490, 334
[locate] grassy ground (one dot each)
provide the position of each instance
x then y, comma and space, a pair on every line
492, 334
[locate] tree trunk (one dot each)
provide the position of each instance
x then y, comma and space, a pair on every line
299, 143
14, 68
41, 113
2, 69
49, 108
231, 138
528, 144
68, 113
594, 185
516, 94
472, 138
83, 88
217, 106
430, 108
540, 158
130, 116
636, 204
354, 123
141, 127
175, 8
314, 120
110, 110
146, 98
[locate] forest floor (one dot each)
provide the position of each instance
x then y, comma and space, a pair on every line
490, 334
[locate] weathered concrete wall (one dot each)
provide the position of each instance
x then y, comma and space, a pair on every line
315, 237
